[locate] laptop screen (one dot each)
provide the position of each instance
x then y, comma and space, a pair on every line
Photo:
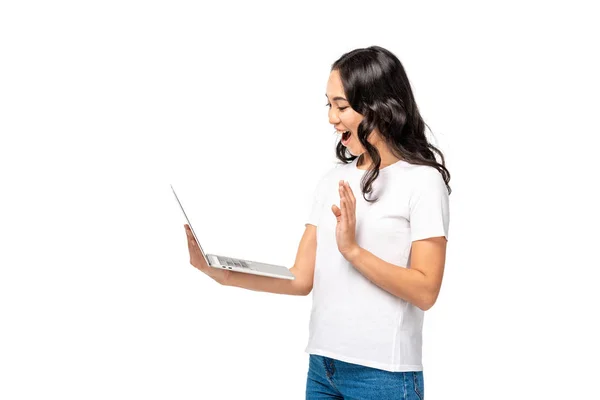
191, 228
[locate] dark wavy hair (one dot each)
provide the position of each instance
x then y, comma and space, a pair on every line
377, 87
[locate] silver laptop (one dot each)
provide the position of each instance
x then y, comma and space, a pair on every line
236, 264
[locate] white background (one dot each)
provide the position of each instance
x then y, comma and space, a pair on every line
104, 104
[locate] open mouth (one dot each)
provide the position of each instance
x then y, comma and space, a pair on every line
345, 136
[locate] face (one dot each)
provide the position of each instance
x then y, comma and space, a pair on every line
343, 117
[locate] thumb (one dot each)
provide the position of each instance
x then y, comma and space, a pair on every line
336, 211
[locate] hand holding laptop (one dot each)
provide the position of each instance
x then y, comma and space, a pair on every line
206, 262
196, 259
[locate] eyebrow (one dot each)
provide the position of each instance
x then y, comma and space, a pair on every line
336, 98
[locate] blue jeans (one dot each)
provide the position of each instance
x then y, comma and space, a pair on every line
334, 379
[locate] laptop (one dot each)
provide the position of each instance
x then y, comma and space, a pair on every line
237, 264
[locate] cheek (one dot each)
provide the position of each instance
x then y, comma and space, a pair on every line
350, 121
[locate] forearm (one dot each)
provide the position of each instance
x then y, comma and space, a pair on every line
261, 283
405, 283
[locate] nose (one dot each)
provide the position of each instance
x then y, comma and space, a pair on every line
334, 118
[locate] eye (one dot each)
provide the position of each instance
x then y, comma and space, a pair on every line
339, 108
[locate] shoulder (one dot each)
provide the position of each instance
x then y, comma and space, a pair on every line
424, 178
419, 174
428, 174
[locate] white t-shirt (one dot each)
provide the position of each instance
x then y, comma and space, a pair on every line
352, 319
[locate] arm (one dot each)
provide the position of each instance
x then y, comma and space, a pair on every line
420, 284
303, 270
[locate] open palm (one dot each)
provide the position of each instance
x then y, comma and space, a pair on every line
345, 230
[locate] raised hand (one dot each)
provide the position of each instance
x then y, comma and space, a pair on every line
345, 230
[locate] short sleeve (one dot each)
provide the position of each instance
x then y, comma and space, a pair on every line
316, 206
429, 206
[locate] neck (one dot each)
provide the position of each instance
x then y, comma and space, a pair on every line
387, 158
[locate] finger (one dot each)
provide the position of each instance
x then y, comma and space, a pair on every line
350, 193
344, 211
346, 204
190, 243
191, 240
194, 254
351, 202
336, 212
190, 249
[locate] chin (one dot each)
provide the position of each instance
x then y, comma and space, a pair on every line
354, 152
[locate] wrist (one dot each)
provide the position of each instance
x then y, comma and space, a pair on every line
225, 280
353, 254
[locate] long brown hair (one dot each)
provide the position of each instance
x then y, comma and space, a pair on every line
377, 87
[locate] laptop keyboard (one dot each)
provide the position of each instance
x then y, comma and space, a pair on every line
231, 262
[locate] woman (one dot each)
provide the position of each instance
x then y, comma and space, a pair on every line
381, 253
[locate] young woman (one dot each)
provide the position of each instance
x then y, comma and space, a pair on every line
381, 219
